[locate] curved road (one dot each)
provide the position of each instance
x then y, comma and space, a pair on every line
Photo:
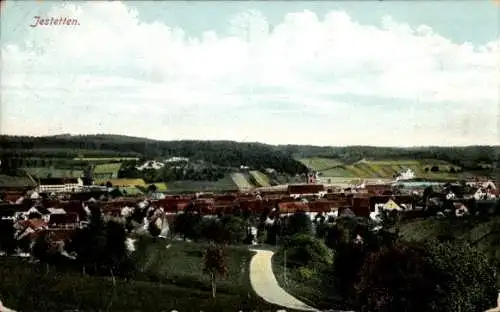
266, 286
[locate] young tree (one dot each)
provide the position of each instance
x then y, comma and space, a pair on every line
215, 264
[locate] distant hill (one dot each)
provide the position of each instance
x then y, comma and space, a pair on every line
255, 156
350, 161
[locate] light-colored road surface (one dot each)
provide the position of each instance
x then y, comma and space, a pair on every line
264, 283
5, 309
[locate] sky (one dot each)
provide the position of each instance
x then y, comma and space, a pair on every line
382, 73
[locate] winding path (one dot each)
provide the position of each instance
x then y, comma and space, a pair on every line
264, 283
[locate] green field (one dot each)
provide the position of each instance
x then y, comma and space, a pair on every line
241, 180
384, 169
47, 172
320, 164
109, 167
221, 185
106, 171
99, 159
165, 280
260, 178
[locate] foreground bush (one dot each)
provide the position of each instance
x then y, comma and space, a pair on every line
305, 250
432, 276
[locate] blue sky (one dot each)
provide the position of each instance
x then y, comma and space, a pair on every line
393, 73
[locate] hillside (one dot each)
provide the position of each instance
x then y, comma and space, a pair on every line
216, 164
386, 169
17, 150
483, 233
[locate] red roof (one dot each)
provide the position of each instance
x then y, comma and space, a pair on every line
67, 218
322, 206
305, 188
33, 223
292, 207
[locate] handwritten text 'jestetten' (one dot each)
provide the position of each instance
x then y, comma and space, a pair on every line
54, 21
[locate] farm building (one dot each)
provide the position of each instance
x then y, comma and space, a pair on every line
58, 185
305, 190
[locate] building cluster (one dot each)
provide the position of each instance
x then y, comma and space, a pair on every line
57, 206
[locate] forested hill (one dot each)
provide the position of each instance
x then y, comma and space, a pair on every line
221, 153
229, 153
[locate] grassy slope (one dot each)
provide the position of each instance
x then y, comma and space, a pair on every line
179, 284
45, 172
377, 168
241, 180
483, 233
306, 289
261, 178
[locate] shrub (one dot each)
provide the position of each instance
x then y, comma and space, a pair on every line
305, 250
433, 276
305, 273
298, 223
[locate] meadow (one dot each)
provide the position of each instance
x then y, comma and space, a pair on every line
165, 279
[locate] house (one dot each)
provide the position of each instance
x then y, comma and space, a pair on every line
176, 159
292, 207
60, 185
64, 221
151, 164
26, 228
408, 174
298, 190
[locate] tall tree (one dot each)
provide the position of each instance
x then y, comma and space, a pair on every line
215, 264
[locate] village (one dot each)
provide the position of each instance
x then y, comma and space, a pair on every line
61, 205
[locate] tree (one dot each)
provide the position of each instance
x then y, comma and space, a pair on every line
188, 225
153, 229
234, 229
116, 251
90, 243
215, 264
298, 223
7, 236
305, 250
433, 276
152, 188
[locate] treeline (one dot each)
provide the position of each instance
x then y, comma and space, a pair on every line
187, 171
469, 157
221, 153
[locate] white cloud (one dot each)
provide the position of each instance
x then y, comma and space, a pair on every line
218, 87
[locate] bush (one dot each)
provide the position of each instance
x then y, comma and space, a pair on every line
433, 276
298, 223
304, 250
305, 273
